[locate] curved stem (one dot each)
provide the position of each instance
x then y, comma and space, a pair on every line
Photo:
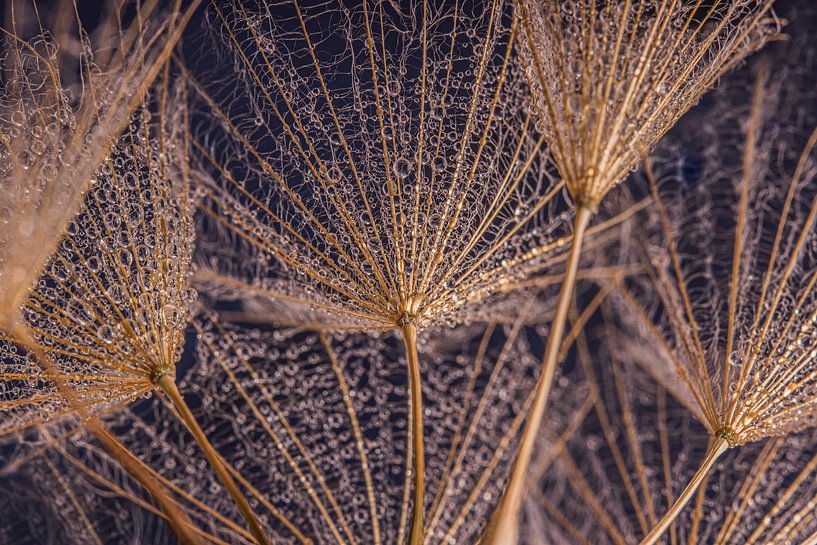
718, 447
168, 386
503, 528
176, 518
416, 397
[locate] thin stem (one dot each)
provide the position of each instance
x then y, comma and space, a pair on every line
718, 447
176, 518
179, 520
503, 528
168, 386
416, 397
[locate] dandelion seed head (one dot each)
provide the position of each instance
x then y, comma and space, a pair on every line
631, 451
380, 166
111, 307
611, 78
733, 302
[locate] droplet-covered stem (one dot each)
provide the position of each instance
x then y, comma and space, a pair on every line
168, 386
418, 449
503, 529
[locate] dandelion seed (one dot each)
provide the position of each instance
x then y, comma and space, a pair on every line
609, 79
737, 327
629, 456
59, 114
99, 318
380, 192
359, 230
98, 333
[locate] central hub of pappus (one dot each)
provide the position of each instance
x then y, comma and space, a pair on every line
408, 310
727, 433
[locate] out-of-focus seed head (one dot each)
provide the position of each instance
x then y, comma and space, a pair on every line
111, 306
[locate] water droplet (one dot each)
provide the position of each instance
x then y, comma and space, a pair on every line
401, 168
105, 334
